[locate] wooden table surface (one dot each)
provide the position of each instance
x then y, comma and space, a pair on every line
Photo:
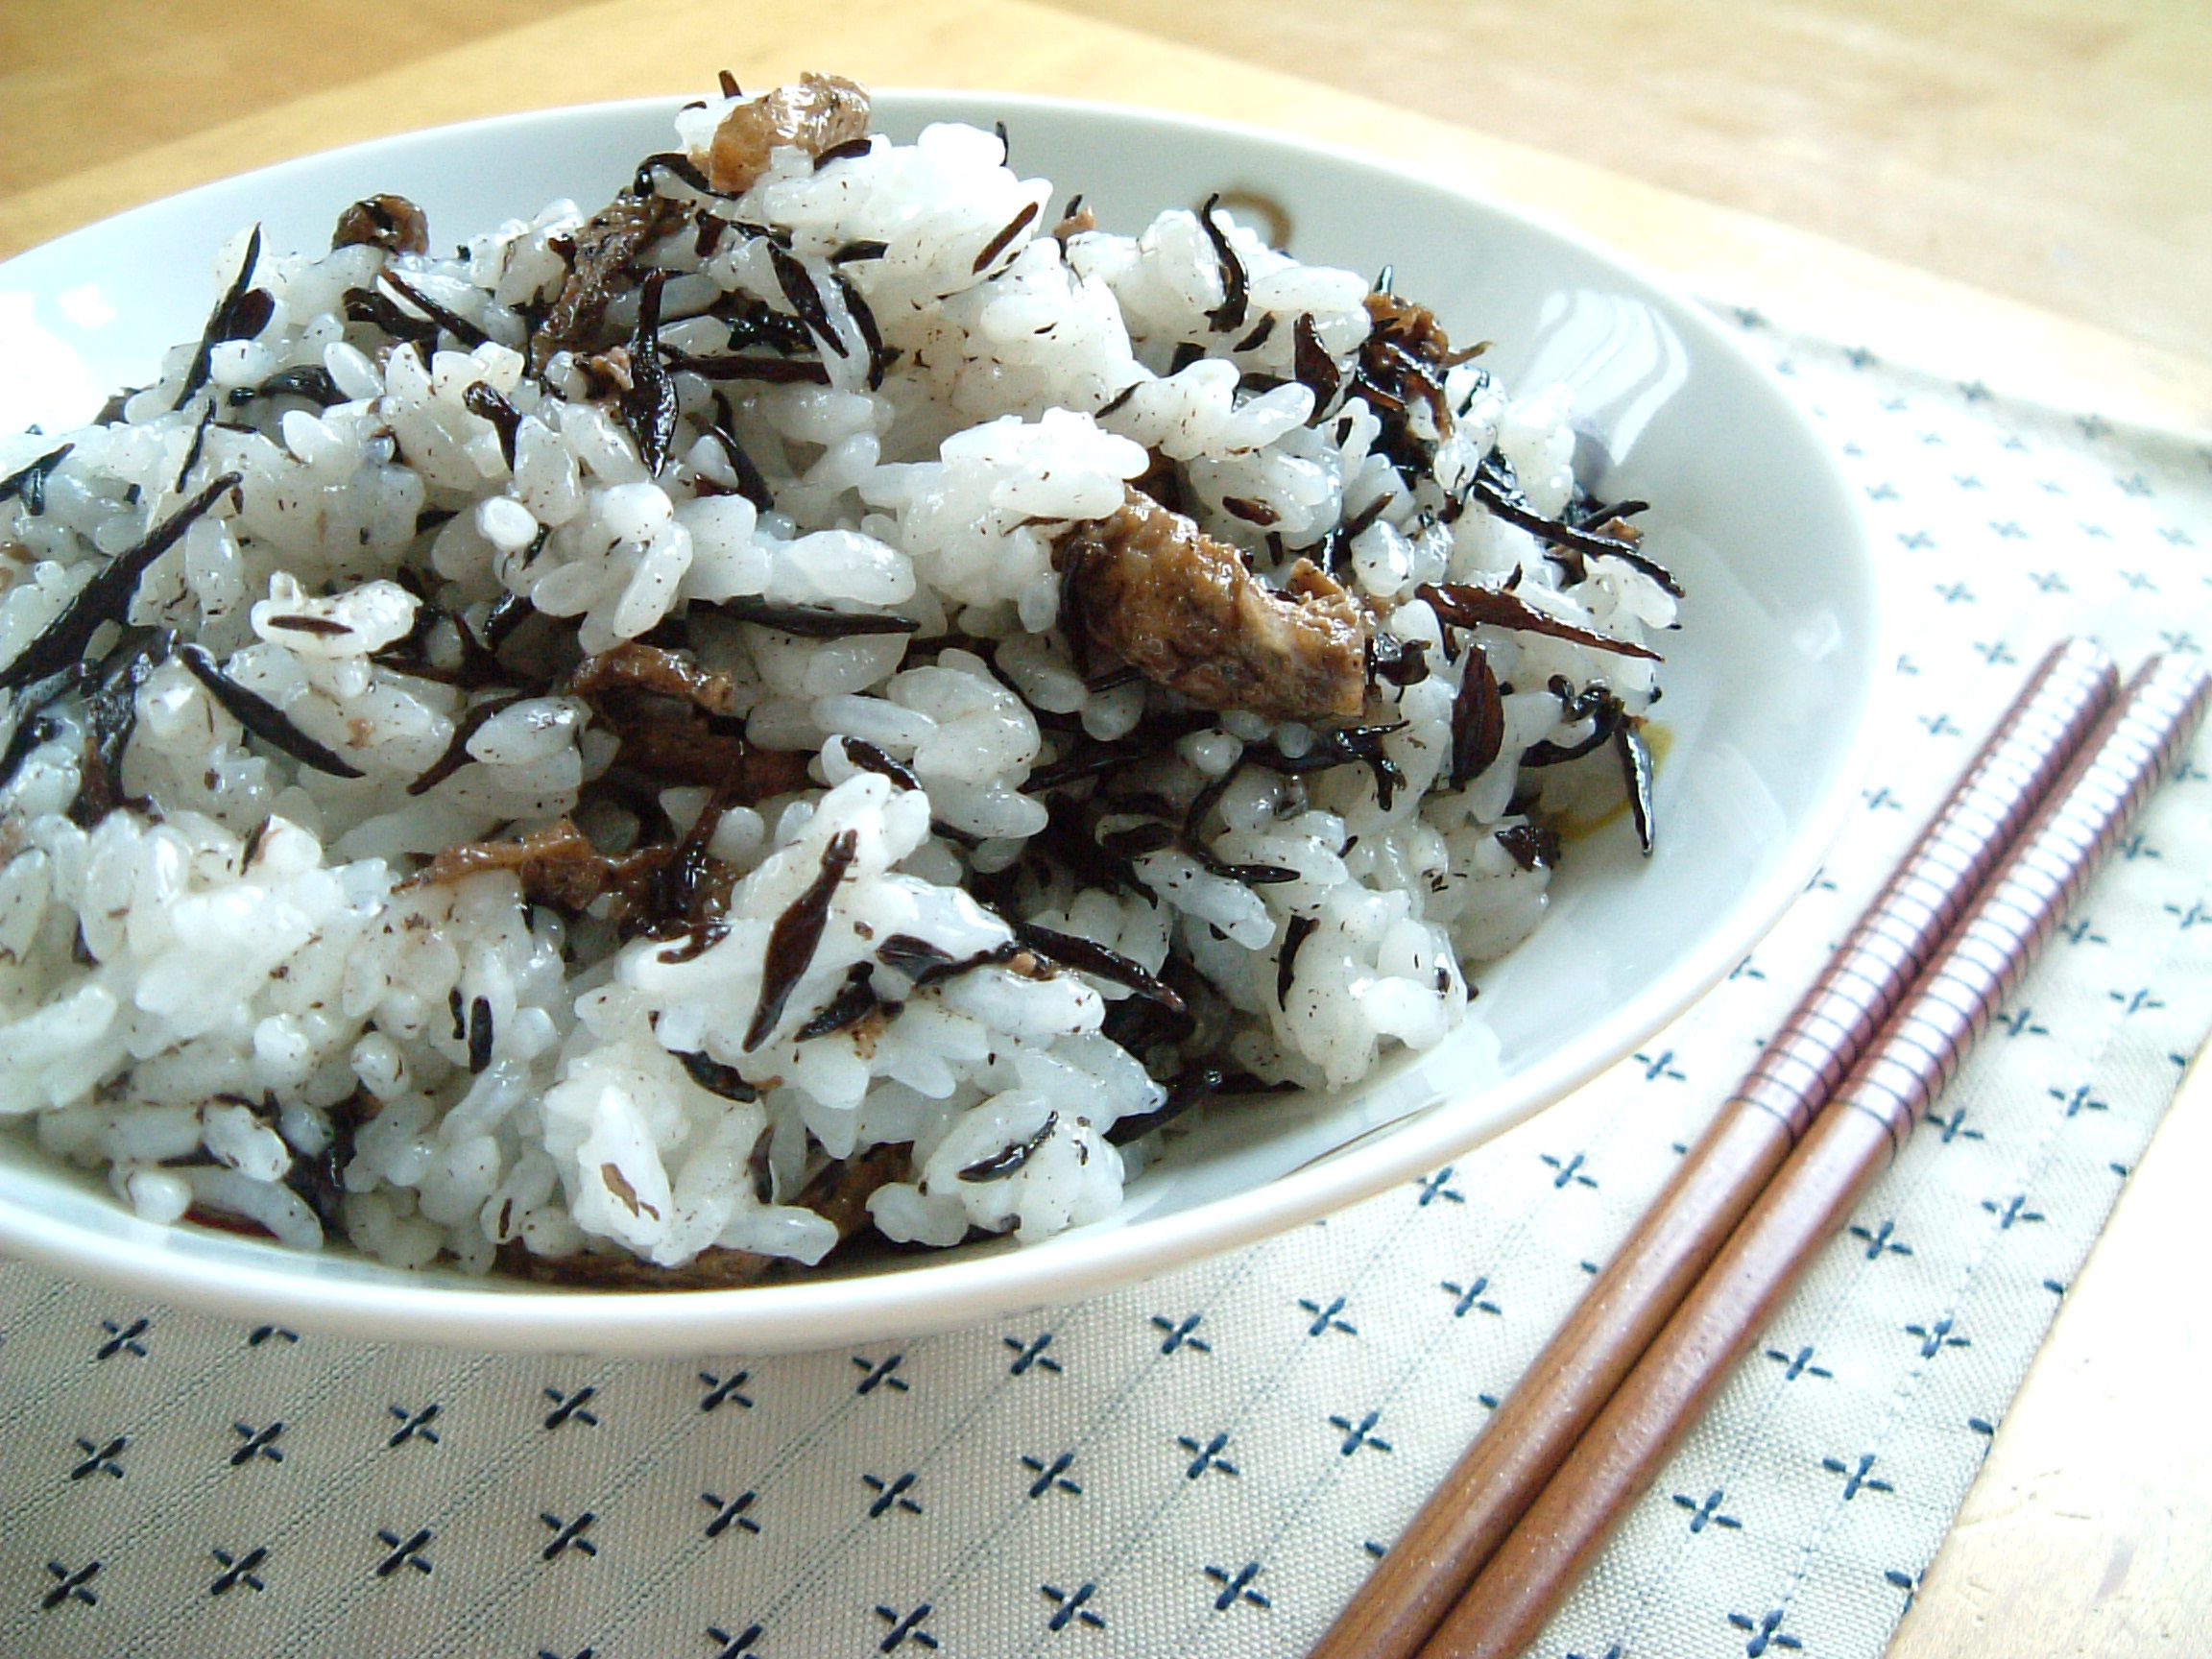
2007, 189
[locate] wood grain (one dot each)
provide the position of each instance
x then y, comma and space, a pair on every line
2052, 152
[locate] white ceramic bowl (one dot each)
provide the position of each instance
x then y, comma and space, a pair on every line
1766, 694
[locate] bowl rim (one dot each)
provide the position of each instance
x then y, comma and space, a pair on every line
444, 1310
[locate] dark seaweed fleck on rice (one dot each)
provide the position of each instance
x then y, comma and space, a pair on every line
870, 759
797, 286
1469, 605
1531, 846
850, 150
262, 717
1198, 1084
879, 356
856, 999
1636, 772
1088, 956
772, 370
486, 402
309, 382
1595, 703
1314, 369
648, 407
242, 313
106, 597
1294, 934
457, 754
1260, 335
717, 1078
1396, 662
1495, 489
29, 482
1235, 286
1478, 720
480, 1035
1117, 400
30, 732
796, 935
998, 244
752, 483
111, 709
817, 621
1007, 1160
455, 324
926, 964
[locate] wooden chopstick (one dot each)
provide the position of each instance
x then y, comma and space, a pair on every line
1478, 1502
1847, 1146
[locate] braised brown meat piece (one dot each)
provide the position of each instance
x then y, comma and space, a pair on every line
821, 112
634, 667
392, 222
1148, 586
667, 710
604, 247
557, 865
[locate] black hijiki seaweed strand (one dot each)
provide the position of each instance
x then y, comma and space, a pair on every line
856, 999
309, 382
1088, 956
879, 356
106, 597
1595, 703
806, 299
717, 1078
1235, 286
262, 717
242, 313
815, 621
1636, 772
998, 244
769, 371
797, 933
870, 759
1478, 719
197, 445
480, 1036
752, 483
486, 402
926, 964
999, 1165
1487, 487
649, 408
29, 482
1296, 932
1193, 1087
459, 327
1313, 368
456, 753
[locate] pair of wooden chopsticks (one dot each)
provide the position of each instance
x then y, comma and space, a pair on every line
1503, 1538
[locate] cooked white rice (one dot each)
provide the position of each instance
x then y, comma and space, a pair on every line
230, 978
